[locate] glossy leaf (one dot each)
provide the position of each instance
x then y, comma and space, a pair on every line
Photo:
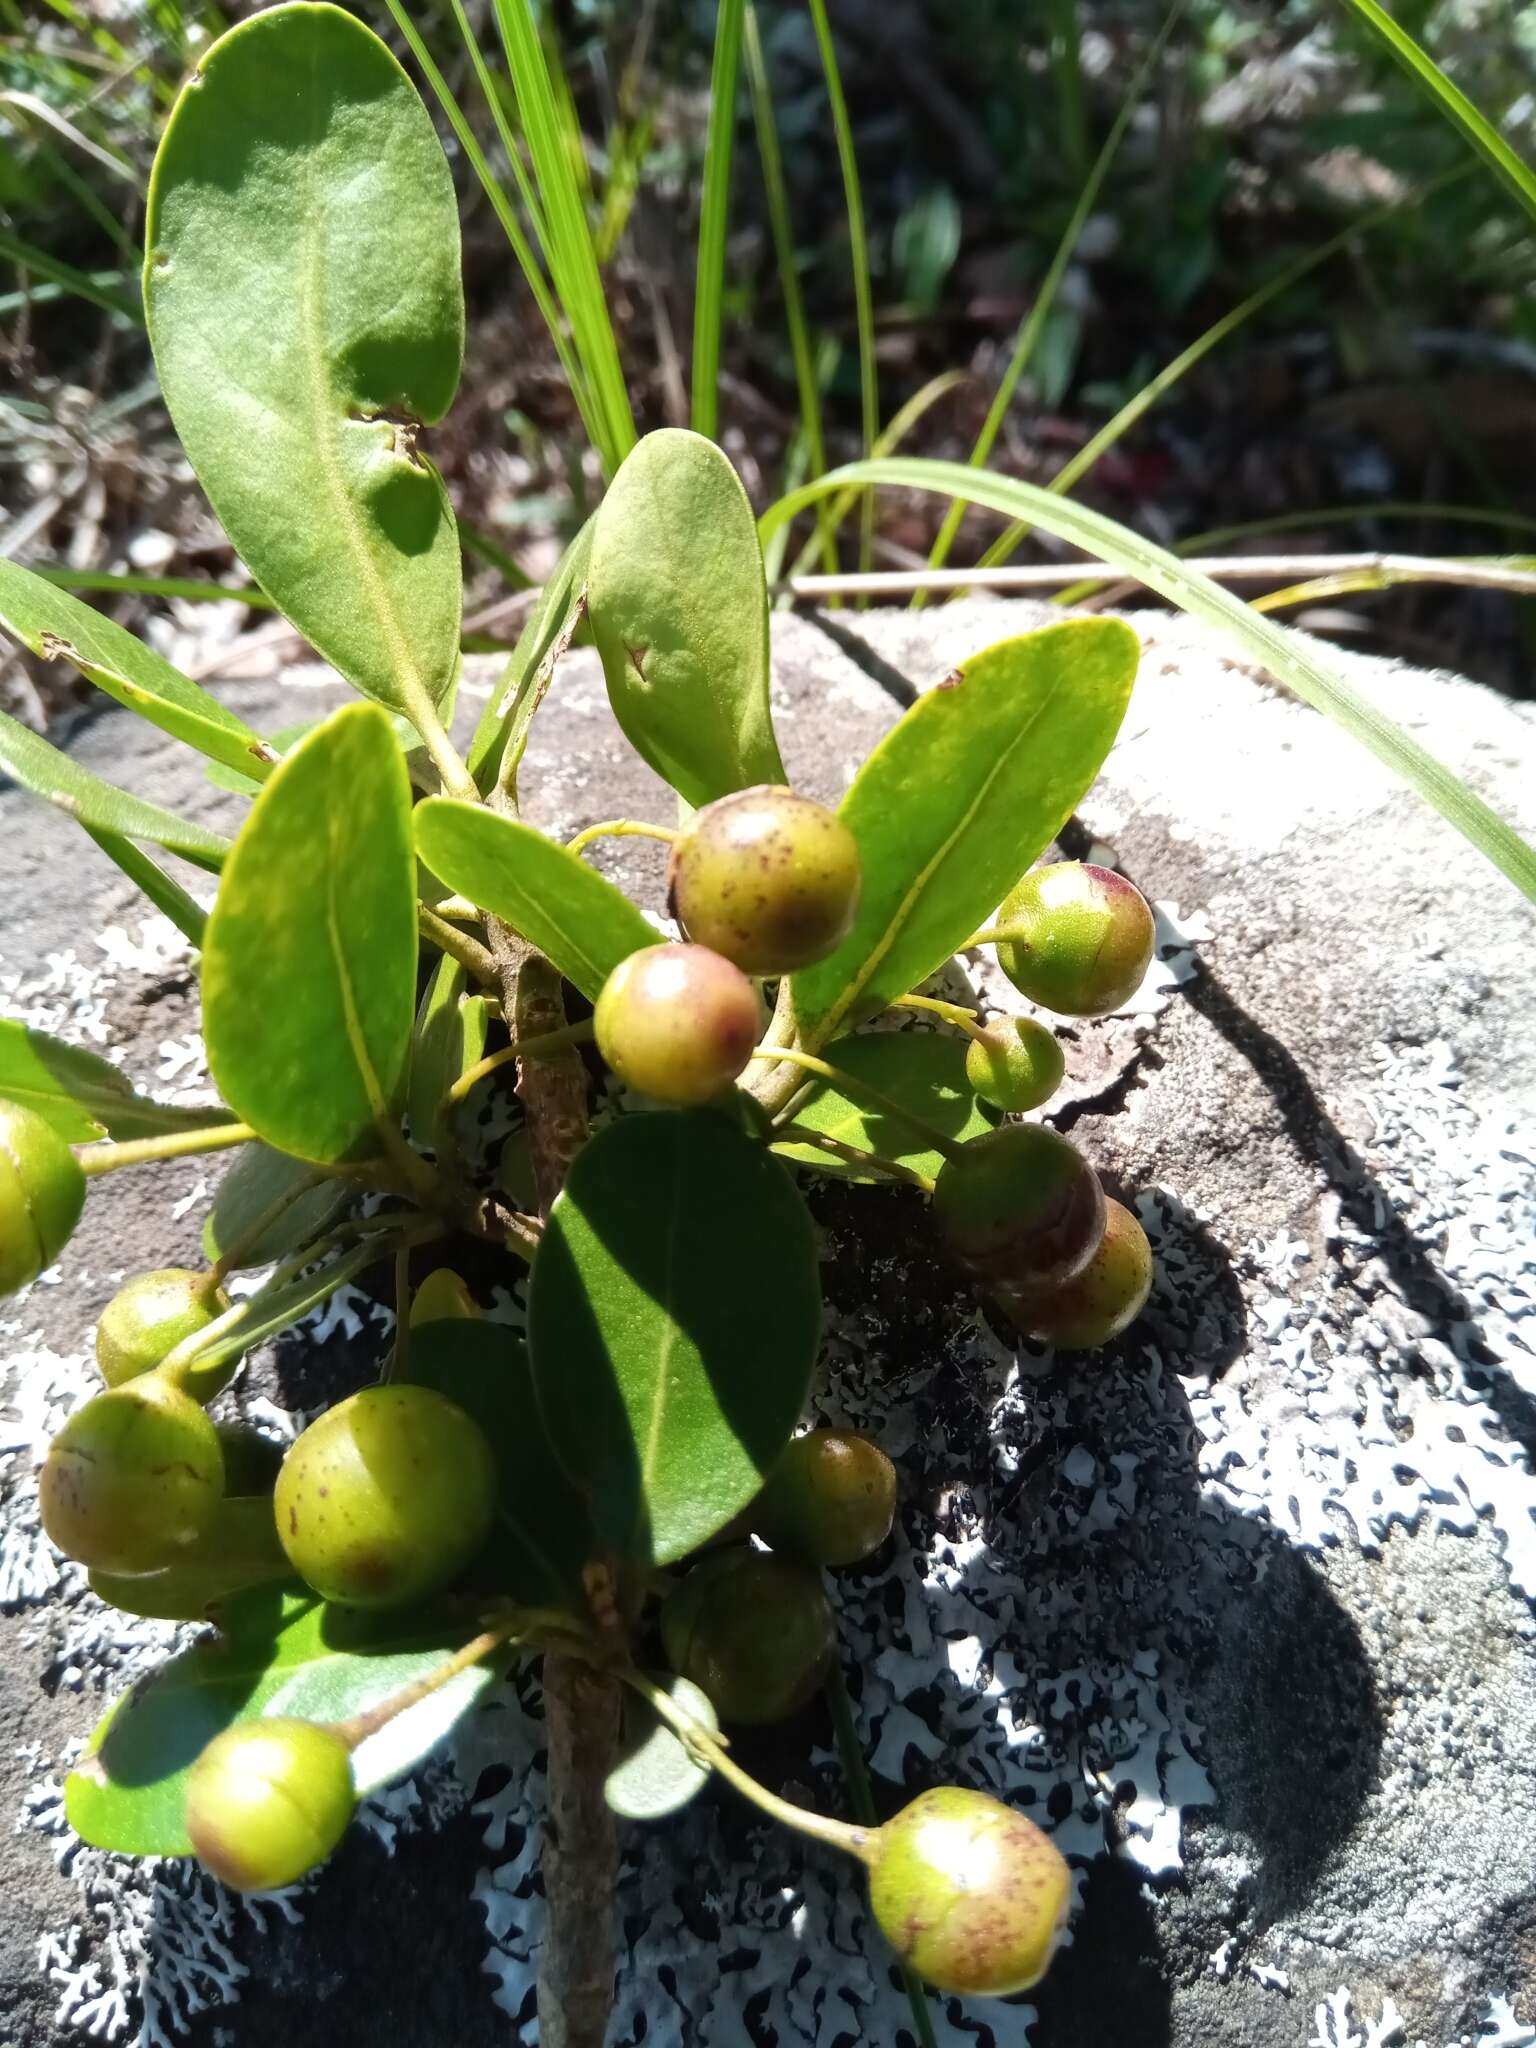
509, 711
450, 1037
918, 1068
673, 1318
580, 921
280, 1654
166, 894
679, 612
59, 627
81, 1095
304, 304
100, 806
309, 964
958, 800
267, 1205
655, 1772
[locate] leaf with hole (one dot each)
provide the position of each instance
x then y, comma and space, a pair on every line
100, 806
673, 1318
304, 305
309, 962
580, 921
964, 793
919, 1069
81, 1095
679, 612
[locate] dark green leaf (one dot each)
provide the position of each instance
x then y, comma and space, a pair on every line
80, 1095
98, 805
918, 1068
309, 965
506, 717
284, 1202
655, 1772
565, 908
673, 1318
304, 304
957, 801
679, 612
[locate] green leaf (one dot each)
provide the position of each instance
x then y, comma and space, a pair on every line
100, 806
679, 612
655, 1772
268, 1205
281, 1654
921, 1069
673, 1318
167, 895
309, 963
59, 627
957, 801
304, 304
580, 921
714, 216
542, 1536
83, 1097
450, 1037
505, 720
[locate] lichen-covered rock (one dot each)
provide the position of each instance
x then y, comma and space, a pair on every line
1239, 1609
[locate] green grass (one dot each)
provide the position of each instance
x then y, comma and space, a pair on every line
714, 217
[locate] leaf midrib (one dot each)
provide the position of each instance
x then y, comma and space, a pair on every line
668, 1346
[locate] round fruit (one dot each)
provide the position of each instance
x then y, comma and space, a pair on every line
1020, 1206
386, 1497
147, 1319
830, 1499
133, 1478
443, 1298
1085, 939
42, 1192
970, 1893
1016, 1064
677, 1022
1107, 1296
767, 878
268, 1800
755, 1632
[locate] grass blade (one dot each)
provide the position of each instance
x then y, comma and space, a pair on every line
26, 257
714, 214
1283, 654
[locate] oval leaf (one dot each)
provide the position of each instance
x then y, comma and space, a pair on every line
80, 1095
655, 1772
302, 290
100, 806
59, 627
267, 1205
957, 801
919, 1068
309, 962
673, 1318
280, 1654
679, 612
559, 904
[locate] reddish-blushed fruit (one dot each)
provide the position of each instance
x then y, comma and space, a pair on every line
969, 1893
1106, 1297
1016, 1064
133, 1478
42, 1192
678, 1022
1020, 1206
146, 1319
754, 1632
269, 1800
1083, 939
386, 1497
829, 1500
767, 878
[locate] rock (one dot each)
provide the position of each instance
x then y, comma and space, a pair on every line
1243, 1609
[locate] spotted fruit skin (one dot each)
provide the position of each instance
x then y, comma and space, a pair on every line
678, 1023
1085, 939
969, 1893
1020, 1206
268, 1800
830, 1499
42, 1192
133, 1479
145, 1320
1106, 1297
386, 1497
1016, 1064
767, 878
754, 1632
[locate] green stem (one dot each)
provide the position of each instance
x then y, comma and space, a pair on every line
522, 1049
853, 1084
229, 1259
359, 1727
620, 828
997, 935
395, 1366
797, 1134
474, 958
952, 1013
710, 1750
455, 777
108, 1157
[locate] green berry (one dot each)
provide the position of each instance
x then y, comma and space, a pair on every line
754, 1632
1020, 1206
767, 878
441, 1298
268, 1800
678, 1022
386, 1497
1016, 1064
42, 1192
238, 1549
1084, 939
147, 1319
969, 1893
830, 1499
1106, 1297
133, 1478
